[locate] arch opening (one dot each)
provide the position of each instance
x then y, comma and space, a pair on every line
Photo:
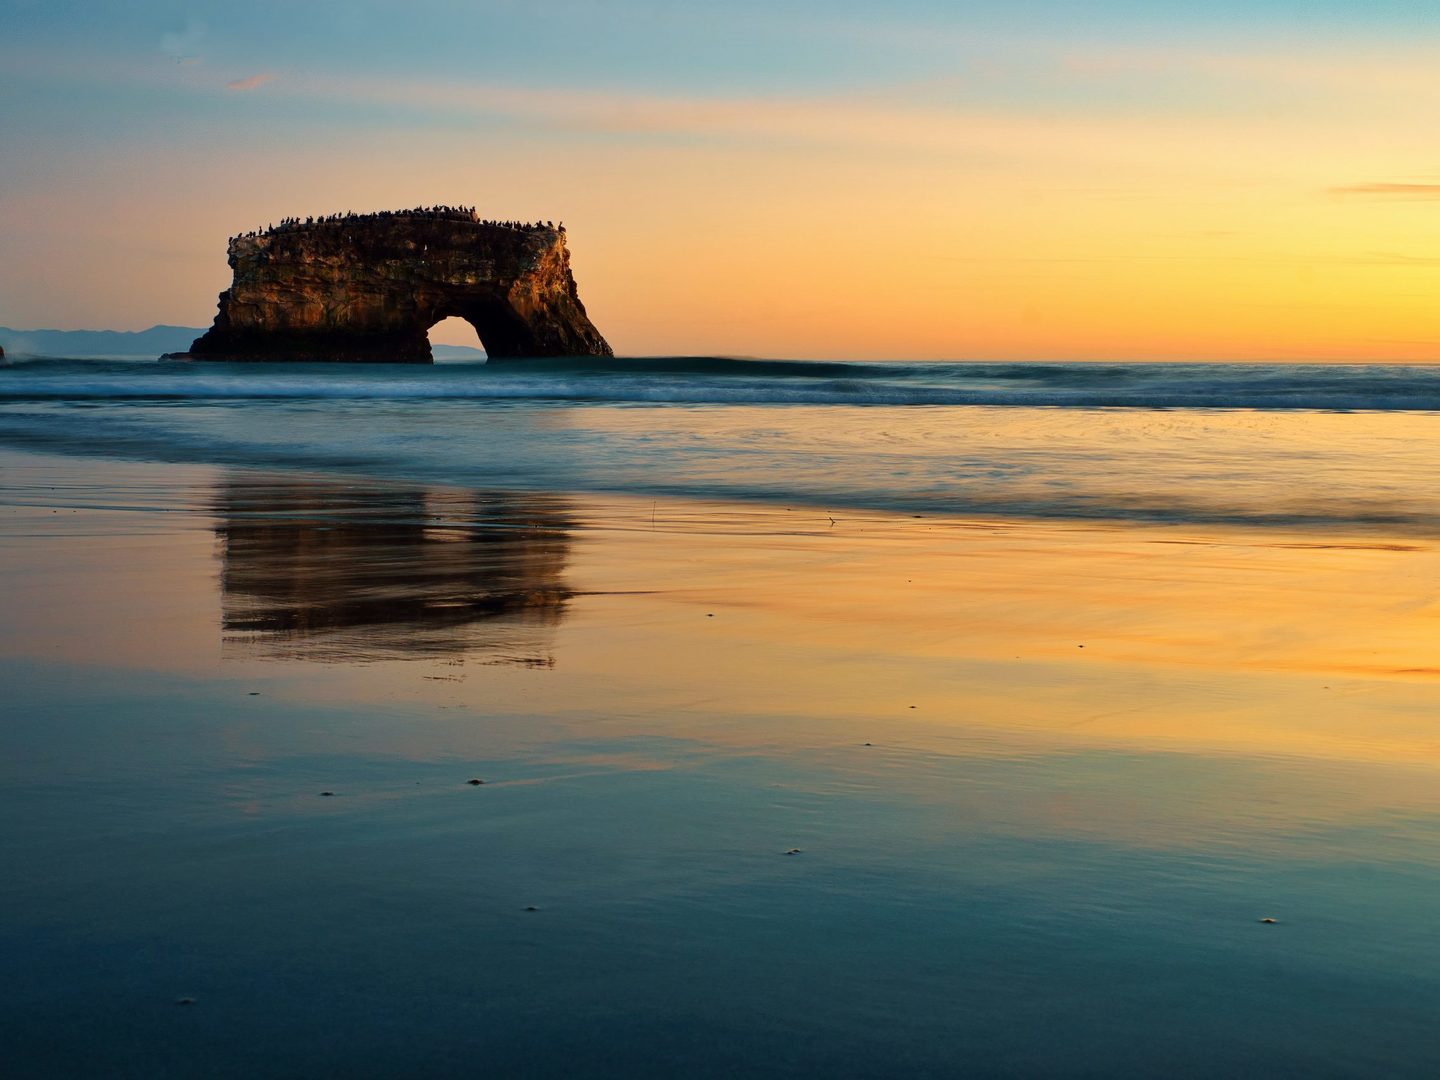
501, 329
455, 340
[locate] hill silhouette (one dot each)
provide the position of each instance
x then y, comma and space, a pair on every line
150, 343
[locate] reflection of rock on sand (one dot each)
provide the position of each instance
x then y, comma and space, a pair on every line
316, 570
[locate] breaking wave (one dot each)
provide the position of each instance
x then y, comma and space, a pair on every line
1347, 448
726, 381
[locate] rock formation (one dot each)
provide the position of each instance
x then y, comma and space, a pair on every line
367, 288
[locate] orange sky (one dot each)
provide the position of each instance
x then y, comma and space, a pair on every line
1169, 200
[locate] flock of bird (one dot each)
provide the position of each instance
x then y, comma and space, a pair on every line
452, 213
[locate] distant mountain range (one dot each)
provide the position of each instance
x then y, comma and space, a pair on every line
151, 343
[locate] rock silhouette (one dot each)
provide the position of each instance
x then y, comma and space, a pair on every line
367, 288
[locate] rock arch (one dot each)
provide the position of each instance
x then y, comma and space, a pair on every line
369, 288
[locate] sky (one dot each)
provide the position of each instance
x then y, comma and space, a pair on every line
918, 179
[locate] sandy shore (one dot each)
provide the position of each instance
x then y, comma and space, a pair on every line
1044, 781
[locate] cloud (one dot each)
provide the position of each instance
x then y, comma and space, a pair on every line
834, 120
1386, 259
1401, 191
250, 82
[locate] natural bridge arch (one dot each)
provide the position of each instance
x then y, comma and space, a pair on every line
369, 288
453, 331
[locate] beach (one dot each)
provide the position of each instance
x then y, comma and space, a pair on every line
803, 750
630, 541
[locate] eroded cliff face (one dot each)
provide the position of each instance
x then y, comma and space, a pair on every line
367, 289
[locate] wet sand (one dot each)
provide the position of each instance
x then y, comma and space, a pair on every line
1044, 781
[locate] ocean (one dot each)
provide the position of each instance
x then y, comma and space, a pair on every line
1321, 445
707, 717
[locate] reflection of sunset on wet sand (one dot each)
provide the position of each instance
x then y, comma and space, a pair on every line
985, 632
1034, 750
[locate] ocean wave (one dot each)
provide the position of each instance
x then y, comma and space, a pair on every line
1310, 471
727, 381
1260, 445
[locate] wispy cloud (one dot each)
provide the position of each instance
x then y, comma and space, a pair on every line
250, 82
924, 116
1390, 259
836, 120
1400, 191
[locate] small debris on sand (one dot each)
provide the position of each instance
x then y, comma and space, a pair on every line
869, 744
